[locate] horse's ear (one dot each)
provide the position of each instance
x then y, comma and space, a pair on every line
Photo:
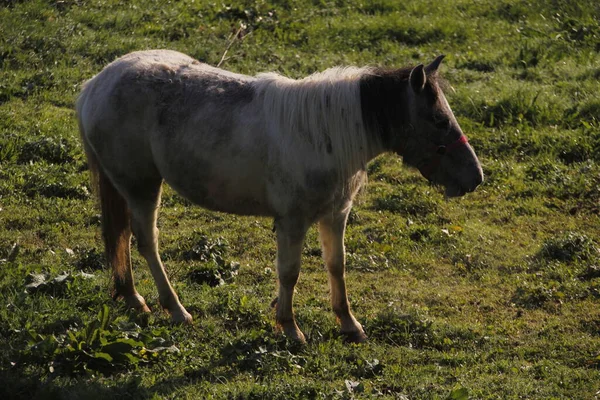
417, 78
435, 64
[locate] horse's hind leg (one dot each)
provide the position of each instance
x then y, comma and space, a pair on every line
331, 231
116, 231
143, 221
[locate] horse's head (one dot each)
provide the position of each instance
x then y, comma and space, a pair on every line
433, 141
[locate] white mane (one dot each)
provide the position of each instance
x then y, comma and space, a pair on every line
320, 113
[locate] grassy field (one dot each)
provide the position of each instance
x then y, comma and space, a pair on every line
496, 295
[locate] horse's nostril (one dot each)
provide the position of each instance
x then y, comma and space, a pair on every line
478, 180
479, 177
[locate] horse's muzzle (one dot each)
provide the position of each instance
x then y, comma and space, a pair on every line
457, 189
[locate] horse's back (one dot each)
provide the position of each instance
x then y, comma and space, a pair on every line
145, 82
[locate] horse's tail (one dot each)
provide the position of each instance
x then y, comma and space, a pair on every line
116, 222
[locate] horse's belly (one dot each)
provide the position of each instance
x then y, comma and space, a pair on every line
218, 199
229, 194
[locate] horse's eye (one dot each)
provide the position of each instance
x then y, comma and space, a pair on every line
443, 124
441, 150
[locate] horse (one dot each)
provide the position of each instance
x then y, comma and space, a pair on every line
264, 145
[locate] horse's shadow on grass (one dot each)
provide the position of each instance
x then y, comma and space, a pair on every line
261, 355
16, 386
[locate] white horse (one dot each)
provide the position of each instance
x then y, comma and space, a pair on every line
294, 150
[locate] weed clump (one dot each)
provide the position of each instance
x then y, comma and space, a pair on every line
569, 247
90, 259
214, 269
401, 329
214, 274
537, 296
51, 150
53, 182
199, 247
590, 272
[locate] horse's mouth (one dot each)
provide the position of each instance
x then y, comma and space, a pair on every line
454, 190
459, 187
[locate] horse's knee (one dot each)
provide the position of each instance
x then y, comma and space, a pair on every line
288, 274
288, 281
336, 267
147, 245
144, 249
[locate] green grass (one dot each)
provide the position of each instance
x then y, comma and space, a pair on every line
493, 296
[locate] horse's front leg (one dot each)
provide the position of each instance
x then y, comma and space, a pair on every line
290, 238
331, 232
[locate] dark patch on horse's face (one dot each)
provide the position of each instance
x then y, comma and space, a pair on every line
434, 125
432, 122
392, 111
431, 117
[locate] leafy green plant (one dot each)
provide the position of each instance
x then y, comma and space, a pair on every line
53, 182
89, 259
214, 274
99, 346
199, 247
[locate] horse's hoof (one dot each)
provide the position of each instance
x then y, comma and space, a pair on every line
274, 302
355, 337
181, 317
296, 336
144, 309
291, 331
137, 303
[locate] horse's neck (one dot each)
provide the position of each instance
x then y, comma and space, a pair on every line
386, 103
319, 119
353, 145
